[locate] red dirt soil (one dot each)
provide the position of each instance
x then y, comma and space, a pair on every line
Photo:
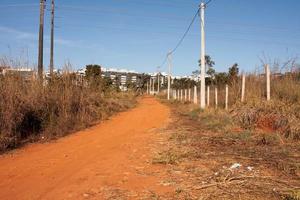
82, 165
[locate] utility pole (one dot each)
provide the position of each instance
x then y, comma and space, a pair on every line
202, 69
41, 39
52, 39
169, 75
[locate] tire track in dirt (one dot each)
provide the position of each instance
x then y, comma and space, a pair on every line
86, 164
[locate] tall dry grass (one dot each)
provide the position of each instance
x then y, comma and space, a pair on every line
30, 110
280, 114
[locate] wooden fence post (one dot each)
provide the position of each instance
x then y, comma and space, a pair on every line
207, 96
195, 94
268, 74
150, 86
147, 87
226, 97
243, 87
216, 97
181, 94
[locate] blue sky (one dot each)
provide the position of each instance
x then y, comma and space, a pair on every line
137, 34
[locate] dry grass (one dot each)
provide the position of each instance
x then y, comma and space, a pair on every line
205, 144
281, 114
30, 110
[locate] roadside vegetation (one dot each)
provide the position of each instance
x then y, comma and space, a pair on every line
250, 151
210, 155
31, 110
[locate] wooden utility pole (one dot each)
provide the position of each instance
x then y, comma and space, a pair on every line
41, 39
202, 69
243, 87
52, 39
268, 74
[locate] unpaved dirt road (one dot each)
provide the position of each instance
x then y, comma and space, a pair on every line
88, 164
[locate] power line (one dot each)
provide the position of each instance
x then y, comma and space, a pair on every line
182, 38
164, 62
207, 2
185, 33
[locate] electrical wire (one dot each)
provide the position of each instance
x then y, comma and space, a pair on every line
181, 39
185, 34
207, 2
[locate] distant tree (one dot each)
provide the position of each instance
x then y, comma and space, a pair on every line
130, 85
233, 73
183, 83
210, 71
93, 71
142, 80
221, 78
93, 76
208, 62
107, 82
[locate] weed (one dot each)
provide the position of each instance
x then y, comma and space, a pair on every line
29, 109
294, 195
244, 135
167, 157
